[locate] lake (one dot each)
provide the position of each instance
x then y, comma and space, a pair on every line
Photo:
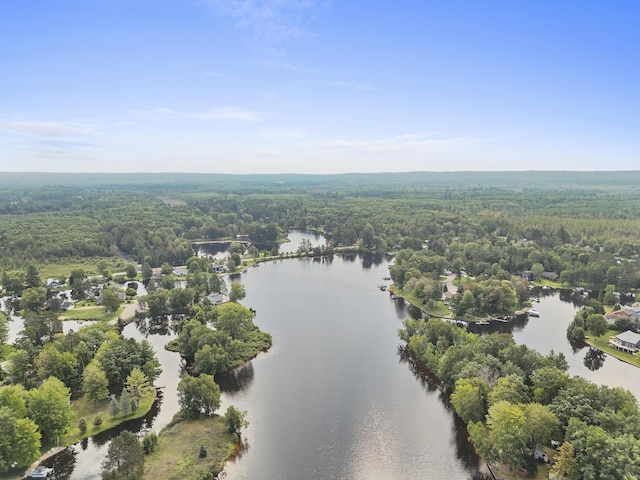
335, 397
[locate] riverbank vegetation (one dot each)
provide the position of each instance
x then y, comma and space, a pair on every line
590, 319
54, 378
515, 401
191, 449
497, 233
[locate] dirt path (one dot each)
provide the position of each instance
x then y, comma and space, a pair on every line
128, 313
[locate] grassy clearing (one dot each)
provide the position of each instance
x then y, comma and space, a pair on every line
91, 313
179, 447
89, 265
88, 409
437, 309
601, 344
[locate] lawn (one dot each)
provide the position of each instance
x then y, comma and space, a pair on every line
601, 344
91, 313
439, 309
179, 447
88, 409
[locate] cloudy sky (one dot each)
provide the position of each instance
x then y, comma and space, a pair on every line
318, 86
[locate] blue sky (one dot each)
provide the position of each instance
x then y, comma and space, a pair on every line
318, 86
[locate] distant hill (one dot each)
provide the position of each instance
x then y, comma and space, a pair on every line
555, 180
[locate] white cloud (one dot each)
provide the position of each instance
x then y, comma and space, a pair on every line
222, 113
272, 20
44, 129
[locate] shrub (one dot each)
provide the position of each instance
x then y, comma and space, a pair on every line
82, 425
150, 443
203, 452
97, 421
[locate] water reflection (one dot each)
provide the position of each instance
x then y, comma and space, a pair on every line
464, 451
63, 464
238, 380
594, 359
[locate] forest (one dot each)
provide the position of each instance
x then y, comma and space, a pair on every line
495, 232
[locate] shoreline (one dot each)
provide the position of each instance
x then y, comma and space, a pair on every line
588, 342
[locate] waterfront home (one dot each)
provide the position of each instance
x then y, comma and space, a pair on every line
552, 276
215, 298
626, 341
611, 317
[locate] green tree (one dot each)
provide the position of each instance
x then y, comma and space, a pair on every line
95, 383
131, 271
537, 269
507, 426
19, 440
15, 398
510, 388
33, 299
49, 408
125, 458
198, 395
235, 419
26, 442
466, 305
103, 269
547, 382
125, 402
482, 443
114, 407
166, 269
137, 385
235, 320
110, 300
4, 329
147, 272
181, 300
470, 399
597, 324
33, 277
237, 292
542, 425
565, 466
62, 365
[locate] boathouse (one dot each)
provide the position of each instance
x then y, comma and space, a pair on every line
626, 341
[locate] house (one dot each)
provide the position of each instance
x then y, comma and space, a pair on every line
633, 310
611, 317
527, 275
67, 305
626, 341
218, 268
552, 276
215, 298
52, 283
180, 271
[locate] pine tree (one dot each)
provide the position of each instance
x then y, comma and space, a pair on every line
114, 407
125, 402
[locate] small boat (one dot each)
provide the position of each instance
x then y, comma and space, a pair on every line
546, 287
533, 313
382, 287
395, 297
537, 299
40, 472
386, 278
